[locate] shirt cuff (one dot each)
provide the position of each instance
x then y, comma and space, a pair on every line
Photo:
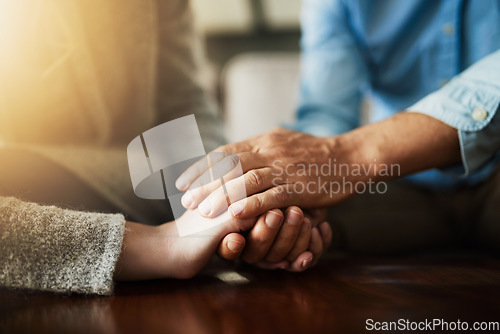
471, 108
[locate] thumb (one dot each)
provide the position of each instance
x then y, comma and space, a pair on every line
231, 246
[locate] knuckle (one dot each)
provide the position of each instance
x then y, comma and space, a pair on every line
258, 203
255, 178
233, 160
280, 194
258, 242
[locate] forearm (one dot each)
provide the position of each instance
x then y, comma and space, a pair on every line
415, 142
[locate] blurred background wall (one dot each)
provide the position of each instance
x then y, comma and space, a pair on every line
252, 47
235, 26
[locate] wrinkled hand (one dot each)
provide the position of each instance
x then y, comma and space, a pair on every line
263, 163
281, 168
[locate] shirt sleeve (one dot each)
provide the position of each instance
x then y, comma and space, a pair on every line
470, 103
332, 71
52, 249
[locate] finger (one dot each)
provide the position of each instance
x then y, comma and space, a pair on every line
231, 246
210, 181
316, 244
230, 166
262, 236
275, 197
254, 181
303, 262
287, 235
251, 160
201, 171
302, 242
193, 172
220, 226
326, 234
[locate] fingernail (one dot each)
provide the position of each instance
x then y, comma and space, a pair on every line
234, 246
180, 184
306, 262
273, 219
187, 200
294, 218
205, 208
236, 209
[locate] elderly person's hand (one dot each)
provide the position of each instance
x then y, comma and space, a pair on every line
282, 168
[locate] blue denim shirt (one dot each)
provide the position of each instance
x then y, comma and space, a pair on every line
437, 57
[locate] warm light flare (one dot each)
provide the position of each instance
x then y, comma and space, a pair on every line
14, 26
37, 43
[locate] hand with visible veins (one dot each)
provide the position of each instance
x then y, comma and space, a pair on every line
273, 164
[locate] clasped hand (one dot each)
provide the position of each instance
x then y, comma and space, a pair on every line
271, 163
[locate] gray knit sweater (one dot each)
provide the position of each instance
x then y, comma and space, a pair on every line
48, 248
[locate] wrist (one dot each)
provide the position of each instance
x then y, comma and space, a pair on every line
400, 145
142, 255
361, 156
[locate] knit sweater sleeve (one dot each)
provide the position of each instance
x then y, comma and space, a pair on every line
53, 249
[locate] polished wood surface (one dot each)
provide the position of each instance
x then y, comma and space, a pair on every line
337, 296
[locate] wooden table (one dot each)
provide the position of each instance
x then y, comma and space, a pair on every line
337, 296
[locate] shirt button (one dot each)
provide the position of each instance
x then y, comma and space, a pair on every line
448, 29
479, 114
